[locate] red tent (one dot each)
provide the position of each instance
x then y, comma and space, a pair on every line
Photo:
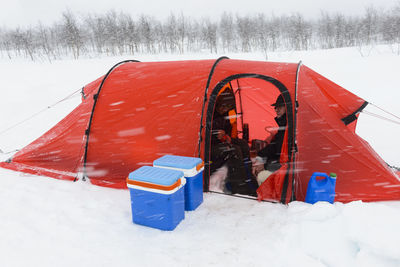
141, 110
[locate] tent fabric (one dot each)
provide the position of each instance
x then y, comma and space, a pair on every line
273, 188
58, 152
148, 109
336, 147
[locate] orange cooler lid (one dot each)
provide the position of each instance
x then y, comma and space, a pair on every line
157, 178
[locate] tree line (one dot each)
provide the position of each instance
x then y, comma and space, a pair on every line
118, 33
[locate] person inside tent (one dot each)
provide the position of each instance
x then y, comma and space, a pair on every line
267, 160
228, 150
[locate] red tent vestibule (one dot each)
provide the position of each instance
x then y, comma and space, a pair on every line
140, 111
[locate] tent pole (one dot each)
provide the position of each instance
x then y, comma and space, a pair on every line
294, 149
241, 105
95, 98
205, 100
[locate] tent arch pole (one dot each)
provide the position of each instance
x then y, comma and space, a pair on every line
96, 97
296, 106
241, 105
210, 111
205, 100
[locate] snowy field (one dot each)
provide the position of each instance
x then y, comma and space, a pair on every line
47, 222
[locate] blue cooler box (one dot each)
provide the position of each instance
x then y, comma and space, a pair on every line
193, 171
157, 197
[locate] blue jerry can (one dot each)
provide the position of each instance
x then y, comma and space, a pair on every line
321, 189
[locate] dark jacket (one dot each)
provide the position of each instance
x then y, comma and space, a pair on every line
272, 152
220, 122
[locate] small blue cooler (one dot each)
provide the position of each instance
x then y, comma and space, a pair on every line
157, 197
193, 171
321, 189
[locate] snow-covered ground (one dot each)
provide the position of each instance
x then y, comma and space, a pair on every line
47, 222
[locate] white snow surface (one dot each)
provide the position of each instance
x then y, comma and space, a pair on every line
49, 222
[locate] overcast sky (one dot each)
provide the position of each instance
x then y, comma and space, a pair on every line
25, 12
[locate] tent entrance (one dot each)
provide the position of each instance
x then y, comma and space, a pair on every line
253, 113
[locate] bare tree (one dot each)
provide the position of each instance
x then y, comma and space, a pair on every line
391, 29
23, 42
146, 33
171, 33
298, 32
181, 30
115, 33
97, 32
275, 29
71, 33
6, 42
226, 32
325, 30
132, 33
367, 31
262, 31
245, 30
160, 37
193, 35
209, 34
44, 42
